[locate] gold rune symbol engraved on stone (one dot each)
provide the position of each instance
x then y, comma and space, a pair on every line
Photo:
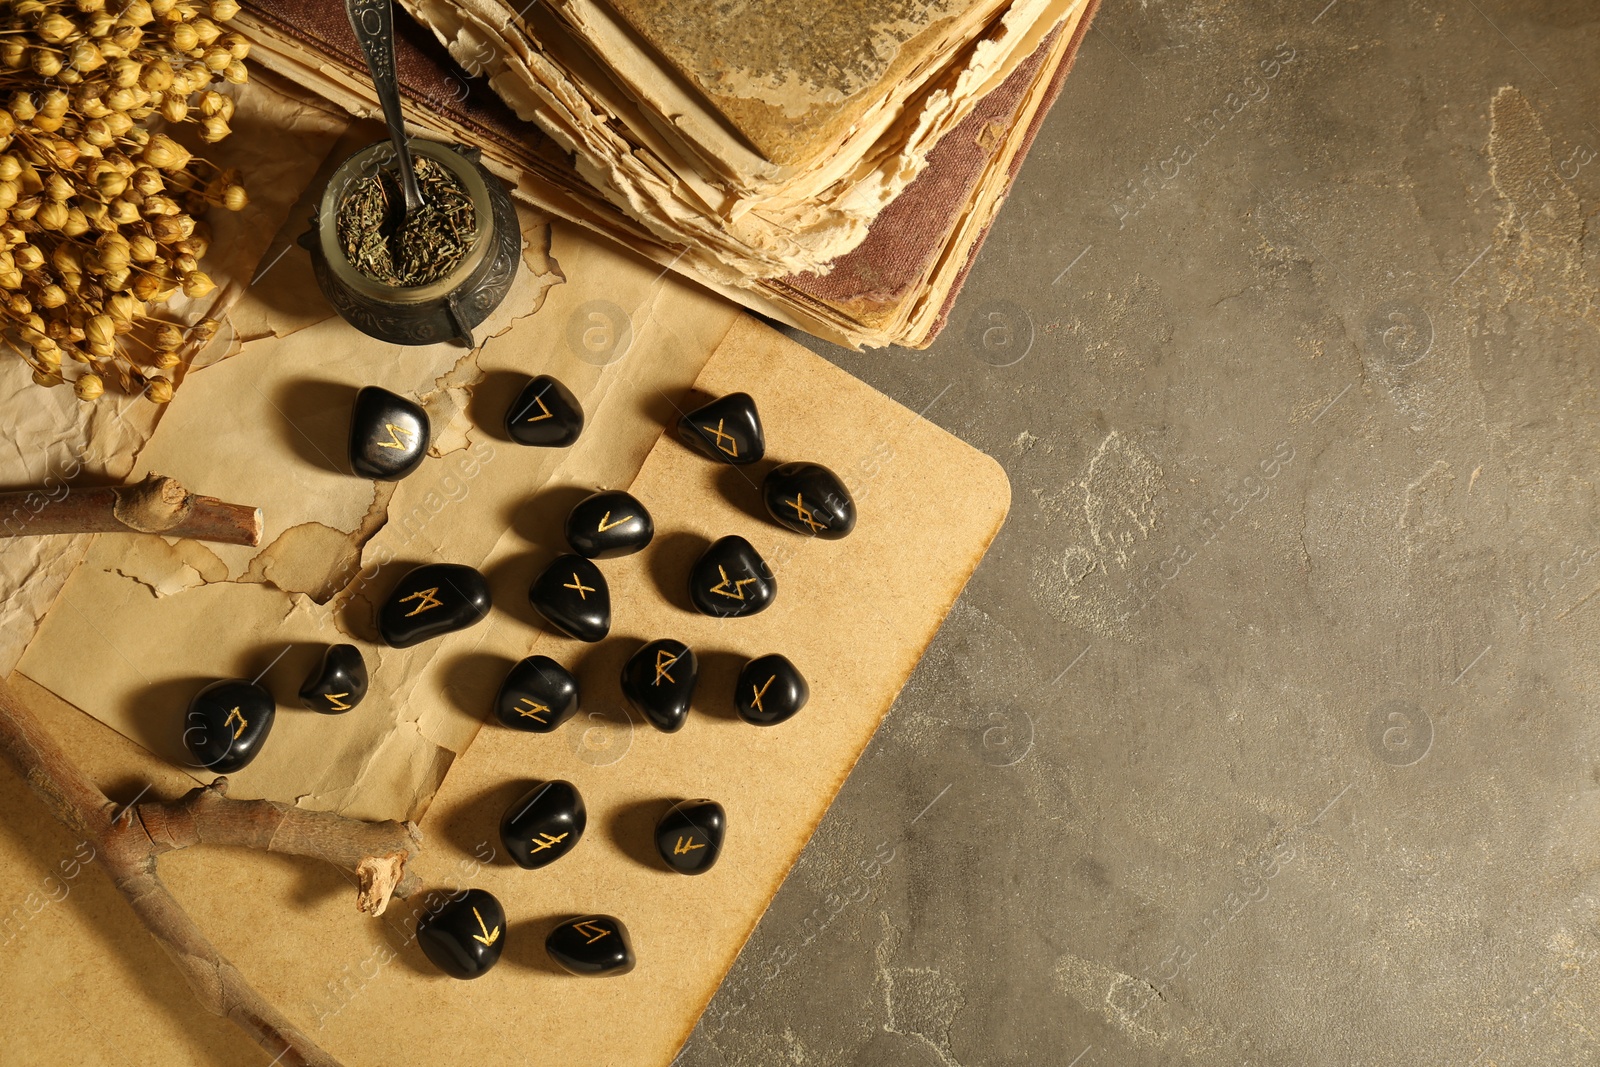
604, 527
547, 413
803, 513
664, 660
763, 692
534, 711
544, 841
488, 937
593, 931
337, 703
685, 846
429, 601
577, 583
732, 447
737, 592
394, 437
237, 730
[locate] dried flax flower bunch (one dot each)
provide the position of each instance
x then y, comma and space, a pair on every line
97, 211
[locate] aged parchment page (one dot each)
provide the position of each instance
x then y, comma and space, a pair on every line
57, 442
269, 425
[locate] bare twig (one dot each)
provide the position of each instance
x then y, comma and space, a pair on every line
156, 505
129, 843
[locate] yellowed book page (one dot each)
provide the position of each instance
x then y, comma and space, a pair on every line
793, 79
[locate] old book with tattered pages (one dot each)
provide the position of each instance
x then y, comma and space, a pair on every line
834, 168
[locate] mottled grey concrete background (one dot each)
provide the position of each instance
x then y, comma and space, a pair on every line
1266, 735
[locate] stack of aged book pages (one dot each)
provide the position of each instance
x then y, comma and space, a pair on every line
834, 167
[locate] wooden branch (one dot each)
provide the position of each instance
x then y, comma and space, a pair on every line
205, 816
157, 505
128, 843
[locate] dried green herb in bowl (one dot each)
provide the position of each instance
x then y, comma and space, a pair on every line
431, 242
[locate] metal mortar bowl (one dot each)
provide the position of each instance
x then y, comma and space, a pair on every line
445, 310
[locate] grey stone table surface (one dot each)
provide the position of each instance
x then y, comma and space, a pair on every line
1266, 733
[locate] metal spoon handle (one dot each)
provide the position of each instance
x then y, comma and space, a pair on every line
373, 22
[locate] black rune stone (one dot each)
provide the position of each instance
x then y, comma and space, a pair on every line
727, 429
810, 499
572, 595
464, 937
228, 723
538, 695
338, 683
607, 525
689, 835
595, 945
731, 580
769, 691
388, 435
658, 681
544, 824
433, 600
545, 414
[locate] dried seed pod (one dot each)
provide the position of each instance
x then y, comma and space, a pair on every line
58, 188
89, 387
147, 181
164, 153
101, 330
55, 103
85, 56
197, 284
159, 390
123, 308
168, 337
124, 212
47, 64
52, 215
54, 28
135, 13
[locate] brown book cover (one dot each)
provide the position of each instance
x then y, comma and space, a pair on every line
875, 295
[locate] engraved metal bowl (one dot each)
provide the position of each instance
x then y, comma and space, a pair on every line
445, 310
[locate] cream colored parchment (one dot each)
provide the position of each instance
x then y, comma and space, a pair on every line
54, 442
157, 617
